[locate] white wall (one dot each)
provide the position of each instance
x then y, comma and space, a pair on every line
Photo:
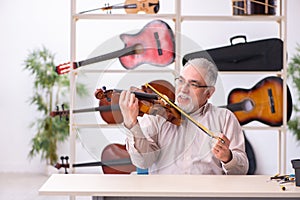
26, 25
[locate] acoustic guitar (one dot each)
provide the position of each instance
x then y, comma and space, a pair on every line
154, 45
133, 7
263, 102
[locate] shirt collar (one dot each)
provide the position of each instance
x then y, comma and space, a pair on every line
201, 110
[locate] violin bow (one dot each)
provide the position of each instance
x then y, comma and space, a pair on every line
203, 128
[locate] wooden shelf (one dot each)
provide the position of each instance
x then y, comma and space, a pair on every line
124, 16
126, 71
178, 19
235, 18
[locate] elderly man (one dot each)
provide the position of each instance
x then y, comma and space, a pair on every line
165, 148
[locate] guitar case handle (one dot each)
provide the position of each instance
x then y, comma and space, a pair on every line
238, 37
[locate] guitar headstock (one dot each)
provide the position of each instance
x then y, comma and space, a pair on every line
65, 68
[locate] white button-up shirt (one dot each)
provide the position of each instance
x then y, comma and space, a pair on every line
165, 148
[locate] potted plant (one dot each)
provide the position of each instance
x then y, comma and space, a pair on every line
49, 90
294, 74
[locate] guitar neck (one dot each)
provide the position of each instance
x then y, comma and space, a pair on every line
245, 105
135, 49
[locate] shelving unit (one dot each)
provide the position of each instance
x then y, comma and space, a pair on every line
178, 19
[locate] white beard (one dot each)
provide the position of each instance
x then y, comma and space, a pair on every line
185, 107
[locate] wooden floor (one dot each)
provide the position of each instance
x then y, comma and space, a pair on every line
14, 186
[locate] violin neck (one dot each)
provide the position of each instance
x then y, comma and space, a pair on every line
142, 95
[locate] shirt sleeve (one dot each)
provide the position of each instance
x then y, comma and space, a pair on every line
141, 142
239, 163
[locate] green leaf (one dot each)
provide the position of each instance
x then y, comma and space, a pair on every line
49, 89
294, 74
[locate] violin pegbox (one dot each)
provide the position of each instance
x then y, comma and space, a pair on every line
63, 164
63, 113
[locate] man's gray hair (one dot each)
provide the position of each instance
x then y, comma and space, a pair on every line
210, 68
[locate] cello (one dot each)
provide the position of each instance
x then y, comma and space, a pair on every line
114, 160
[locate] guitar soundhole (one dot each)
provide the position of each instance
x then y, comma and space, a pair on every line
248, 105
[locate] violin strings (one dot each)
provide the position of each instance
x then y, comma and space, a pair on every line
203, 128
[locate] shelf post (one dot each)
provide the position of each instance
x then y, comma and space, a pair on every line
72, 132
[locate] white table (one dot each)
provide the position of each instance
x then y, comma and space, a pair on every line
167, 186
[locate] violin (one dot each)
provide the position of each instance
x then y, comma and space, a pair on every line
114, 160
133, 7
149, 102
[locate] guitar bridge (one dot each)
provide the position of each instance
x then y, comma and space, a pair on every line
158, 43
271, 100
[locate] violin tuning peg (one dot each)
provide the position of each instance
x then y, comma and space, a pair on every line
66, 158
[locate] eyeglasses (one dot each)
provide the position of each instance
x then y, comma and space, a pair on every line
193, 84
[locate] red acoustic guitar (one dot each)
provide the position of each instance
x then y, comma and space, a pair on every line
154, 45
263, 102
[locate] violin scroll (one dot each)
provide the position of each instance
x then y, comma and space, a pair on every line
63, 164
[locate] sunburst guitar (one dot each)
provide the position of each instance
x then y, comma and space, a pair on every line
263, 102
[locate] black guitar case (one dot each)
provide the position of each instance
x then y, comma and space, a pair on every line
259, 55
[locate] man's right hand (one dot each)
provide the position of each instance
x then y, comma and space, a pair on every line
129, 106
